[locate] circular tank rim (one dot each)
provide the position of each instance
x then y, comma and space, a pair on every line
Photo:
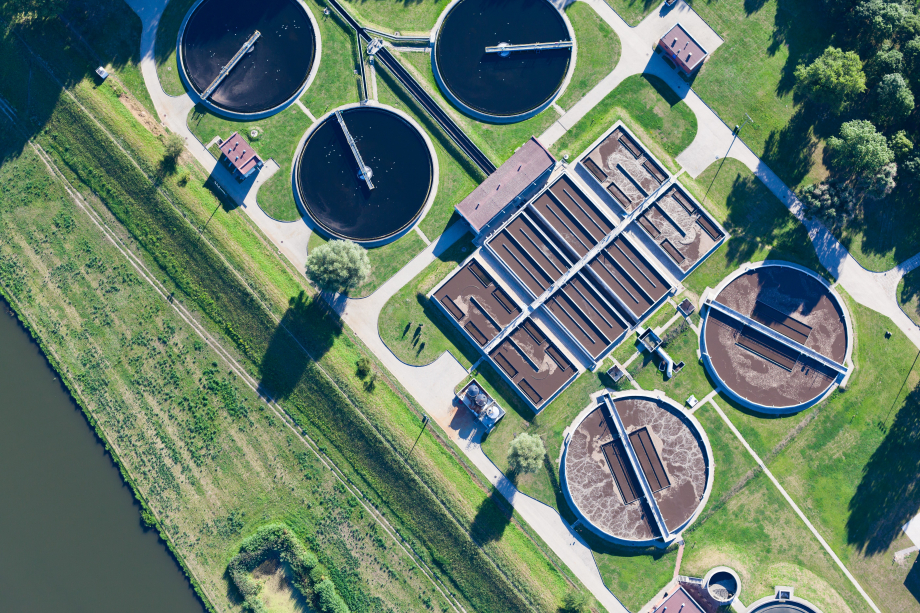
768, 600
315, 226
479, 115
750, 404
196, 96
657, 396
723, 569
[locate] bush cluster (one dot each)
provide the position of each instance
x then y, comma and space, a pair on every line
278, 540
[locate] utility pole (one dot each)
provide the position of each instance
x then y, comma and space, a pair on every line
425, 421
736, 131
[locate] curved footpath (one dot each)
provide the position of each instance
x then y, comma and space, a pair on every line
433, 385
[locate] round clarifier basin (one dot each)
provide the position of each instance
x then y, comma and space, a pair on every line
336, 196
268, 77
501, 84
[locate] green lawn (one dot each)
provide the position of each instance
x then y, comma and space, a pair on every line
662, 121
855, 469
692, 379
278, 138
749, 527
498, 141
457, 176
883, 233
760, 226
909, 295
165, 47
408, 18
414, 328
633, 11
598, 52
385, 261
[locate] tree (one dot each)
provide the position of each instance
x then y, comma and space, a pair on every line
831, 202
338, 265
173, 146
860, 149
29, 10
895, 101
911, 52
880, 184
901, 145
526, 453
880, 20
886, 62
833, 79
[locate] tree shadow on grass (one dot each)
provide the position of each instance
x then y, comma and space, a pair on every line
888, 495
306, 332
789, 151
493, 516
912, 582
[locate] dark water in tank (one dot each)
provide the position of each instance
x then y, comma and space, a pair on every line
70, 535
339, 201
499, 85
268, 76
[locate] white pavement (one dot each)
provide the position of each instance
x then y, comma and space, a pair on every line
715, 140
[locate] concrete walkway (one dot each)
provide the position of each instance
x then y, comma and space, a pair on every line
714, 140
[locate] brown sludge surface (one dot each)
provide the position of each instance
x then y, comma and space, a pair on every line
533, 363
599, 495
624, 169
477, 303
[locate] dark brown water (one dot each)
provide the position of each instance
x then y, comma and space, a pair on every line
275, 70
339, 200
498, 85
70, 536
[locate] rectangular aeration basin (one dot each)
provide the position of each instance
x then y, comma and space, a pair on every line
529, 254
477, 303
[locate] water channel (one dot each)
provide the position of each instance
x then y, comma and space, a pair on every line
70, 535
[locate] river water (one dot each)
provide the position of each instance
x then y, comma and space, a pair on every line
70, 534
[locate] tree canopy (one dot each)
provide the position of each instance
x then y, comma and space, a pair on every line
832, 79
894, 100
338, 265
526, 453
28, 10
860, 149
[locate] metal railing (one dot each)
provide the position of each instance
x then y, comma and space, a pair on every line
246, 48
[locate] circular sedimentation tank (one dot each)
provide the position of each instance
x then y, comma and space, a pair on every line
772, 334
501, 86
332, 191
271, 75
600, 473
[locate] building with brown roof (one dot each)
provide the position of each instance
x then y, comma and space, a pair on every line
238, 156
683, 49
512, 183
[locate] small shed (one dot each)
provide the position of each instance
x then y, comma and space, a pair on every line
683, 49
238, 156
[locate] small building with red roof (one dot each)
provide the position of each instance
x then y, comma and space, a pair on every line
238, 156
678, 602
683, 49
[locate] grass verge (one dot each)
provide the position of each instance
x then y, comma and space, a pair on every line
598, 52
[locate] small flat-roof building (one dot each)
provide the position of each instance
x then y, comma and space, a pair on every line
679, 601
239, 157
511, 183
683, 49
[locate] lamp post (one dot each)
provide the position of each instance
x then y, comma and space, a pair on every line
425, 421
736, 132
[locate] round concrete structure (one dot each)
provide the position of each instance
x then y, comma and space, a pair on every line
599, 476
722, 584
332, 193
776, 336
771, 604
280, 65
501, 87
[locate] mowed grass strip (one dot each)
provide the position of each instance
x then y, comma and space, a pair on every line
407, 18
662, 121
598, 52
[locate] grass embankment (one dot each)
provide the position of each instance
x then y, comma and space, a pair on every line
498, 141
407, 18
662, 121
457, 175
206, 458
414, 328
385, 261
165, 46
598, 52
853, 467
438, 507
760, 226
682, 344
633, 11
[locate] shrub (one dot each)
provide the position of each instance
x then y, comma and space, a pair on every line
575, 601
860, 149
364, 366
830, 202
338, 265
526, 453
